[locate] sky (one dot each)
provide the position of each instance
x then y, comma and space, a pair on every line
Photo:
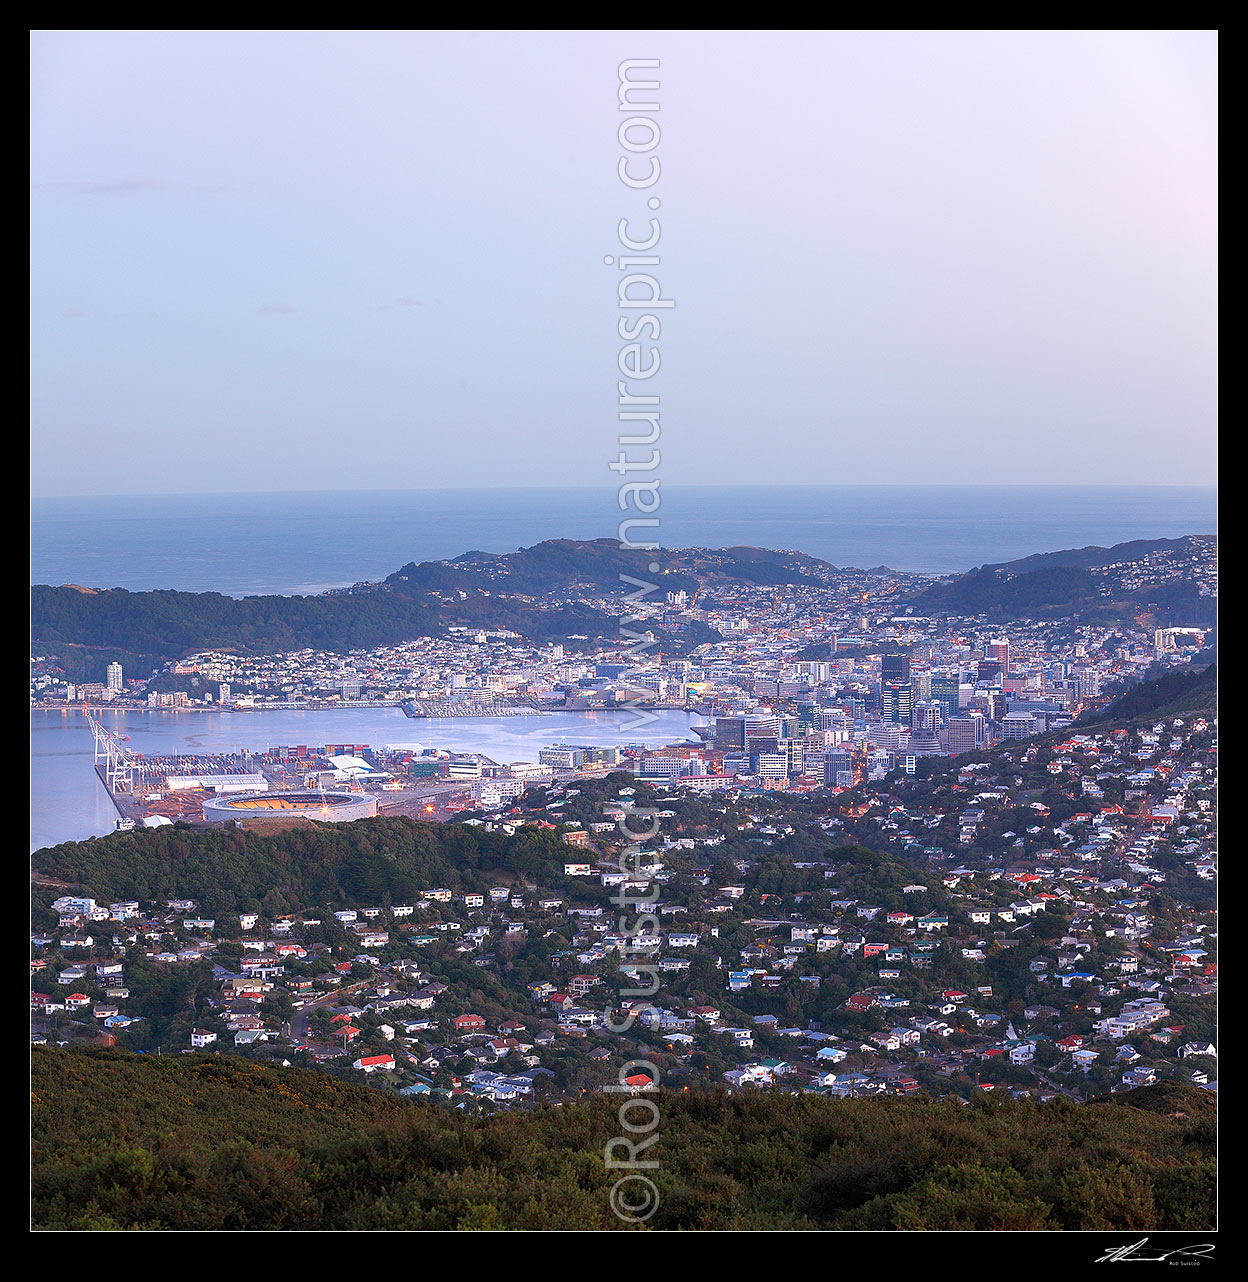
270, 261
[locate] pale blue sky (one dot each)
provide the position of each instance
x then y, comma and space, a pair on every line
319, 261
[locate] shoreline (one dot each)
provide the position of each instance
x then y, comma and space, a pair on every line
66, 709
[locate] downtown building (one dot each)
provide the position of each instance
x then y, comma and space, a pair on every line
967, 734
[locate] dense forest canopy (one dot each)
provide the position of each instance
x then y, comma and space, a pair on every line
212, 1142
1167, 695
343, 865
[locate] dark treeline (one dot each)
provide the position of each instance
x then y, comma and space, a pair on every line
986, 592
1059, 590
213, 1142
330, 865
90, 663
1175, 692
170, 624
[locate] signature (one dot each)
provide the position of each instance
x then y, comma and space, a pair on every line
1136, 1254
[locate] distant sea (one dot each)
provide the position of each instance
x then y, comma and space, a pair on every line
242, 544
249, 544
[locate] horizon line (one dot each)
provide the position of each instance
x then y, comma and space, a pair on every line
719, 485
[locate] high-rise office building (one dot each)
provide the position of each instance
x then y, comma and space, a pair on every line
967, 734
1019, 725
999, 649
893, 738
115, 684
729, 733
898, 700
945, 692
734, 731
834, 719
771, 765
989, 671
895, 669
838, 770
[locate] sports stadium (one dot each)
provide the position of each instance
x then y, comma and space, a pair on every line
327, 807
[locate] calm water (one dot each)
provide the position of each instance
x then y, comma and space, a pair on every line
243, 544
68, 803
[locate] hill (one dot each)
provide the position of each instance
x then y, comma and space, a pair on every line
1157, 582
545, 593
1094, 557
212, 1142
554, 566
348, 865
1165, 696
134, 625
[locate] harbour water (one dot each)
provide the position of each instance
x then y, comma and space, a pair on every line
241, 544
68, 802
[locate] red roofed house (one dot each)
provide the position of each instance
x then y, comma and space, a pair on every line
375, 1063
469, 1023
345, 1028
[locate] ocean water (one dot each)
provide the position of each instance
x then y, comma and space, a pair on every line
242, 544
248, 544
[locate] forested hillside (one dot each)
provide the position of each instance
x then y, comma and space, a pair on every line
1175, 692
339, 864
170, 624
211, 1142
